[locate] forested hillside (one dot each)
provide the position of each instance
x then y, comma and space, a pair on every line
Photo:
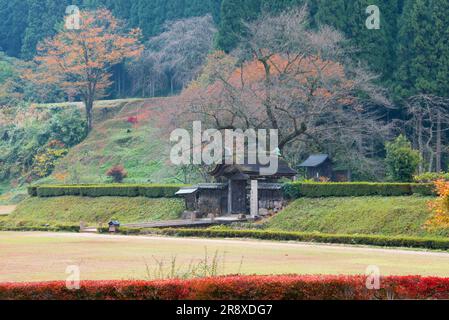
412, 32
395, 78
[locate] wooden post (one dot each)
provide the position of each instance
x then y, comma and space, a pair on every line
254, 198
230, 197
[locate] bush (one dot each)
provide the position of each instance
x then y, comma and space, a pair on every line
429, 177
375, 240
117, 173
354, 189
402, 161
292, 287
105, 190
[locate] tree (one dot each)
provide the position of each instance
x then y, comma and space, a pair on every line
174, 57
439, 207
80, 61
428, 122
402, 161
291, 79
117, 173
13, 22
234, 14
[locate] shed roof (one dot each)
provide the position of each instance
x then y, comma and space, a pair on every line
184, 191
315, 160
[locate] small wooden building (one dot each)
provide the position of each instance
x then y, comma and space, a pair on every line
317, 166
240, 189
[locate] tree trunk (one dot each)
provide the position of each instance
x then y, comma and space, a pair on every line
420, 145
438, 144
89, 114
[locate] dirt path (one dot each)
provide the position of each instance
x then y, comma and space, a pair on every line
5, 210
45, 256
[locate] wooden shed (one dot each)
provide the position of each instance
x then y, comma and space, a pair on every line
318, 166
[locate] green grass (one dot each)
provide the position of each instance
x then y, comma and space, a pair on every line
143, 149
42, 256
66, 210
361, 215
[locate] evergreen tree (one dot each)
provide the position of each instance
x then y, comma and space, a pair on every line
333, 13
418, 49
43, 16
13, 22
375, 47
233, 15
276, 6
441, 31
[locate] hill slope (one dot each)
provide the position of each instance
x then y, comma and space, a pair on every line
361, 215
72, 210
140, 147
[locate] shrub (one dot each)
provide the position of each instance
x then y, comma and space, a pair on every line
133, 120
117, 173
291, 287
430, 177
105, 190
356, 239
440, 207
355, 189
402, 161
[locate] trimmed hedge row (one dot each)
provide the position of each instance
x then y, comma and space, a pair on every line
355, 189
292, 287
374, 240
291, 190
55, 228
105, 190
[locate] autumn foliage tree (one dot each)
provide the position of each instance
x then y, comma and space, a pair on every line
440, 207
80, 61
297, 80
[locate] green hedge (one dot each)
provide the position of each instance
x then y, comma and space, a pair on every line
357, 189
374, 240
106, 190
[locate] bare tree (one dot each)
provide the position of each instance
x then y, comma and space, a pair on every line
429, 120
173, 58
293, 79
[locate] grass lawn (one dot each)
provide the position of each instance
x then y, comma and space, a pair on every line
143, 149
6, 210
28, 256
66, 210
361, 215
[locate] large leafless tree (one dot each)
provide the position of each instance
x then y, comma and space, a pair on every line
293, 79
429, 123
173, 58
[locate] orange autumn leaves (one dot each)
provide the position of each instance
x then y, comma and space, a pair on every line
305, 71
440, 207
79, 61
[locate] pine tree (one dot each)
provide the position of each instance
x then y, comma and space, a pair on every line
418, 52
375, 47
233, 15
333, 13
13, 22
441, 31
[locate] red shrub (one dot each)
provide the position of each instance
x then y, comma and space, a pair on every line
117, 173
236, 287
133, 120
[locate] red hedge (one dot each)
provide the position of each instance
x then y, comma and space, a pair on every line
236, 288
